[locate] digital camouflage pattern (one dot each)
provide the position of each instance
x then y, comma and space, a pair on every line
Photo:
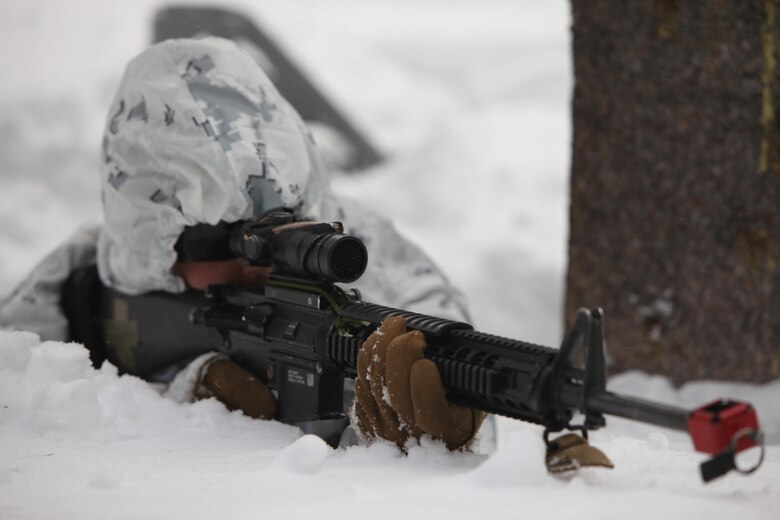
198, 133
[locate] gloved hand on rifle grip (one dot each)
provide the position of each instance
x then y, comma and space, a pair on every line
237, 389
399, 394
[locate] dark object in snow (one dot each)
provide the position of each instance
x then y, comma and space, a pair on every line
311, 104
675, 189
301, 336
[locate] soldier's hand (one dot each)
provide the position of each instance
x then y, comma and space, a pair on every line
399, 394
239, 389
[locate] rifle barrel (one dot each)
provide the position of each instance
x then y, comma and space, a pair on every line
633, 408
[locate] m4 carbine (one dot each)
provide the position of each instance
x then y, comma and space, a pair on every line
301, 334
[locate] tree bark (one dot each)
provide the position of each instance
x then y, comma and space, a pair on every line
675, 187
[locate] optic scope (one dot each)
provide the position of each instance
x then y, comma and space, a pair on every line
314, 249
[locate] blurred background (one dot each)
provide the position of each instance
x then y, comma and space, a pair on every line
468, 103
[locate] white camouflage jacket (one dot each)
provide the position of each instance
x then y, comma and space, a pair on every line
197, 133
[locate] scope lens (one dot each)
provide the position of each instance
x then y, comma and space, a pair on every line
339, 258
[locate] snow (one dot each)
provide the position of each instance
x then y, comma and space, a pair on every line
77, 442
469, 102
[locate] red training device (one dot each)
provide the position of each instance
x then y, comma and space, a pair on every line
714, 426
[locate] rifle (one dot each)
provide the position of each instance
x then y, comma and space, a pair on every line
301, 333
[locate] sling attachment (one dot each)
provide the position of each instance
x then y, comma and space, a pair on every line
726, 461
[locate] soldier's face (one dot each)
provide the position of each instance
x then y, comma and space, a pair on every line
199, 275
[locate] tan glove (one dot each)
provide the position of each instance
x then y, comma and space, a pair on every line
399, 394
570, 452
239, 389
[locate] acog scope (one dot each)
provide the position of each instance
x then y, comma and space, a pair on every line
319, 250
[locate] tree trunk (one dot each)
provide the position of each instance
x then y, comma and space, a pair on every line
675, 190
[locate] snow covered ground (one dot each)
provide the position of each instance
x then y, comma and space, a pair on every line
469, 101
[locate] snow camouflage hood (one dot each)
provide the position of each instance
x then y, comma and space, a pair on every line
197, 133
